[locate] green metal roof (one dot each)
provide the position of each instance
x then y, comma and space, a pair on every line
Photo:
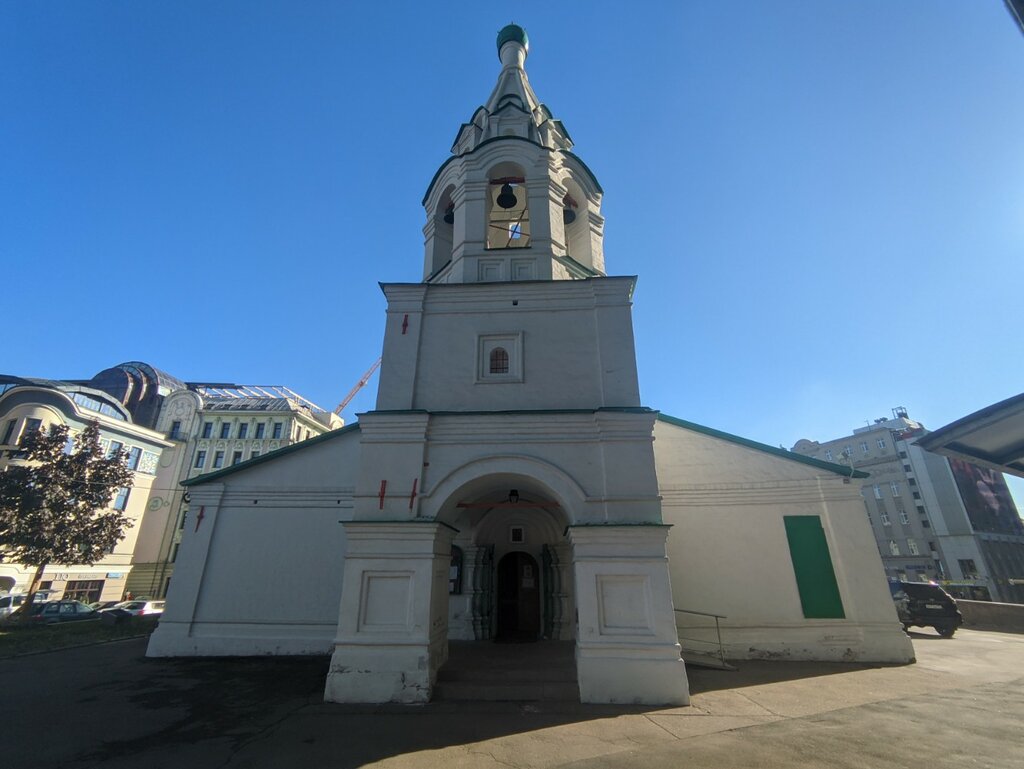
847, 472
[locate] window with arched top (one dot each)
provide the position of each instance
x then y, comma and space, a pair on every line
499, 361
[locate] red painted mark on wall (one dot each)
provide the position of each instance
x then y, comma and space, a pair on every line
199, 518
383, 489
412, 497
405, 324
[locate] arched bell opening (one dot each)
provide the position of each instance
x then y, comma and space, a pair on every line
441, 237
575, 221
508, 211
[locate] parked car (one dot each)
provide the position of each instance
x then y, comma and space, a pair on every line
10, 603
61, 611
101, 605
136, 608
925, 604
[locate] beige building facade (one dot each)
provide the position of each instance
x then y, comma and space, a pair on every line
33, 404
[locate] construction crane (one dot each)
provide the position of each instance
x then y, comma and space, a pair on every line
359, 386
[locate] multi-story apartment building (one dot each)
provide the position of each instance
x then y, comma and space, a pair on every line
173, 430
929, 519
31, 404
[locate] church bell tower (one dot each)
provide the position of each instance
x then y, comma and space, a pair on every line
508, 435
513, 203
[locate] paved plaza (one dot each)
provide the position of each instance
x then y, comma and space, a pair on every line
961, 705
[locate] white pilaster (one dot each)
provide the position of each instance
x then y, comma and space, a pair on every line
392, 625
627, 650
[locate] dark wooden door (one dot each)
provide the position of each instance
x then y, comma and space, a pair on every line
518, 598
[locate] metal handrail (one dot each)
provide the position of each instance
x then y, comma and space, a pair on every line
718, 630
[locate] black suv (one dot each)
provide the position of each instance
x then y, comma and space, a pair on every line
926, 605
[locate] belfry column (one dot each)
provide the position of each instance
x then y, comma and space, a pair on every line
627, 649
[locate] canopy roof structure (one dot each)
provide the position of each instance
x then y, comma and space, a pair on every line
992, 437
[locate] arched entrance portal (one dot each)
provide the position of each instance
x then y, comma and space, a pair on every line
518, 598
511, 573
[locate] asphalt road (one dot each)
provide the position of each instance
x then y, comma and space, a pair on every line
961, 705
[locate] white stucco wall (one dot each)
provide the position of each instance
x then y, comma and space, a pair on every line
729, 554
262, 572
574, 339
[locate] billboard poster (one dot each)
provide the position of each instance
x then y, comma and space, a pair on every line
986, 498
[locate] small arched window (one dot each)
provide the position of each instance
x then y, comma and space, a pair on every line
499, 360
455, 572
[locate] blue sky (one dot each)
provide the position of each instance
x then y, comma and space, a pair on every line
822, 200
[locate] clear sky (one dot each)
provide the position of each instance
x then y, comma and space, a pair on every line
823, 200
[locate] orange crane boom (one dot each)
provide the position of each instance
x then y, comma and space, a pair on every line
359, 386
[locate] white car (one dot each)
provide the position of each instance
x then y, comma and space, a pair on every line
137, 608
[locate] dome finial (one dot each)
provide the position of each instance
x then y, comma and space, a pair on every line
513, 33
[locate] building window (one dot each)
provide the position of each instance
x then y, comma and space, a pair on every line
31, 426
218, 459
828, 455
895, 486
878, 491
847, 451
885, 518
894, 549
115, 446
200, 459
175, 430
908, 469
243, 430
236, 457
917, 495
260, 429
121, 500
968, 568
225, 430
455, 572
134, 455
904, 518
911, 481
864, 447
9, 431
925, 523
255, 453
86, 591
881, 443
207, 429
516, 535
912, 547
277, 430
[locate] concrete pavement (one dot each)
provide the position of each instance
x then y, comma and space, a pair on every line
107, 706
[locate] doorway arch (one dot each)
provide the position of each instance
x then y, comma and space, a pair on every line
518, 598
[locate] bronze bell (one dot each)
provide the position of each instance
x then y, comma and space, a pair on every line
568, 215
507, 198
449, 214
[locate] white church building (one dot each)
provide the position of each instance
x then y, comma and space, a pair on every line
509, 483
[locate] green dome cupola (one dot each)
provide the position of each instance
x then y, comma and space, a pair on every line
513, 33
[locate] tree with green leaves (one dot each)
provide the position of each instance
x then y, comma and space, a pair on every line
54, 506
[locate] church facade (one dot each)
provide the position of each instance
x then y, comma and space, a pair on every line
510, 485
